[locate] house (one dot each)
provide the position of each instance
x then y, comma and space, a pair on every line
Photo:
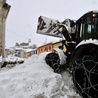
24, 51
45, 48
49, 47
18, 51
58, 44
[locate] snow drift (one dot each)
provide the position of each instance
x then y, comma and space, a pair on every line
35, 79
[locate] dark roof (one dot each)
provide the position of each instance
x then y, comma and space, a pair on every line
88, 13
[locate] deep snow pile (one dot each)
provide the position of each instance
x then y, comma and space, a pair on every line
35, 79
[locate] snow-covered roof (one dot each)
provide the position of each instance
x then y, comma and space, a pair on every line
52, 42
45, 44
18, 48
27, 50
90, 41
56, 41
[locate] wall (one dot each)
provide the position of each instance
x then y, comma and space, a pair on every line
59, 45
45, 48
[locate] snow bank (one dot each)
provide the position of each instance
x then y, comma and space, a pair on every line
35, 79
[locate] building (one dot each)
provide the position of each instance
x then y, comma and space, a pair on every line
49, 47
58, 44
45, 48
24, 52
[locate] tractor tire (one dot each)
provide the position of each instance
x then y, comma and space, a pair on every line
53, 60
57, 68
85, 76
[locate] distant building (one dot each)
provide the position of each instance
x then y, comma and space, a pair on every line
49, 47
28, 52
24, 51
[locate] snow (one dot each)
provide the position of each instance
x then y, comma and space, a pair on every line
12, 58
89, 41
35, 79
62, 56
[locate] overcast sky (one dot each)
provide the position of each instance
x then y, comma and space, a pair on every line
21, 23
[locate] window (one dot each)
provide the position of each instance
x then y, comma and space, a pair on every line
86, 27
49, 47
89, 28
46, 49
41, 49
61, 47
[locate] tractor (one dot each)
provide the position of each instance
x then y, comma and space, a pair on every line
80, 37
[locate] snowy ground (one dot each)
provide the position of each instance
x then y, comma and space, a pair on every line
35, 79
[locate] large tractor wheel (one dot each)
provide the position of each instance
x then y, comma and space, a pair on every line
85, 76
53, 60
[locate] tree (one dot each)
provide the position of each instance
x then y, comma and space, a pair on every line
29, 40
34, 46
17, 44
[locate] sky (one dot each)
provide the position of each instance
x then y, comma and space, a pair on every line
21, 23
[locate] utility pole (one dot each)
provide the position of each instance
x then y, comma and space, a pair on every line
1, 5
4, 9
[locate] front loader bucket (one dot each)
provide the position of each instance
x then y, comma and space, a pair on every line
48, 26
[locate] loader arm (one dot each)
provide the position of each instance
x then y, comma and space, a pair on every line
55, 28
